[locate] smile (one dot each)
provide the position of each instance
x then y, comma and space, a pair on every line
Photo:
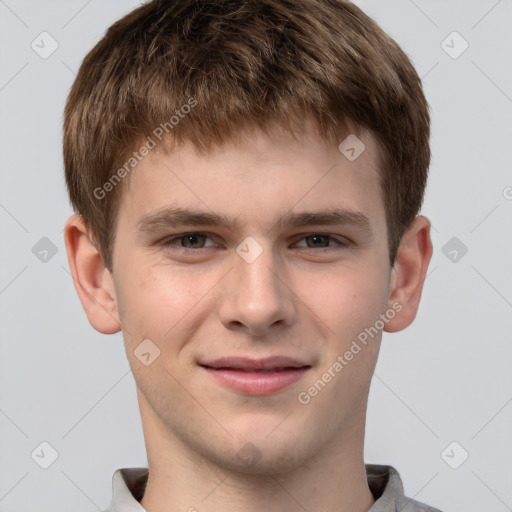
256, 377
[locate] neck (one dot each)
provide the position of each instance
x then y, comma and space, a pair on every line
183, 480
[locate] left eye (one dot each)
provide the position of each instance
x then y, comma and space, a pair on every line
321, 241
198, 241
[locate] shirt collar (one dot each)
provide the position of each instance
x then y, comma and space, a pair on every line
129, 484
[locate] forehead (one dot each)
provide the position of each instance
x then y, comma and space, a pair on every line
259, 178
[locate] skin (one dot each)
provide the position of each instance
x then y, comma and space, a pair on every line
304, 297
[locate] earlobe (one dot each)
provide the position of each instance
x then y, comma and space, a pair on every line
409, 272
93, 281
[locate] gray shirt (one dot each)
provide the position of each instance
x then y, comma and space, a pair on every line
129, 484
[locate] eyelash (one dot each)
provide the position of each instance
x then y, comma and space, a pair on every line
169, 243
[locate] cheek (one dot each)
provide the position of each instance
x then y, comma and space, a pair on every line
142, 300
159, 301
346, 300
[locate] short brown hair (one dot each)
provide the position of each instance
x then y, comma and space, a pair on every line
243, 63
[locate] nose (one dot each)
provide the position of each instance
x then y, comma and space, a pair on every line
257, 297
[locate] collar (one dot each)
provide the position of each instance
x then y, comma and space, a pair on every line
129, 484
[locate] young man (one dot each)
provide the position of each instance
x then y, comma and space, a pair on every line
247, 176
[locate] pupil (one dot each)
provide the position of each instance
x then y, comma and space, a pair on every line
192, 240
318, 239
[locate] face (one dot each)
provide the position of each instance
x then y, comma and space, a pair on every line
271, 261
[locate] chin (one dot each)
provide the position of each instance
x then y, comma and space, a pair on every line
261, 460
258, 452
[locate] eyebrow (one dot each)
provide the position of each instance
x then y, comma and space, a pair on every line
175, 217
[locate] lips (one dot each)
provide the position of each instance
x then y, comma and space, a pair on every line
268, 365
256, 376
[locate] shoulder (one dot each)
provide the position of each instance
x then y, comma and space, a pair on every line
405, 504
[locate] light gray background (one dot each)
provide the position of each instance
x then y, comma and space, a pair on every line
446, 378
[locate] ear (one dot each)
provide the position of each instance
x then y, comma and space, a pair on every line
408, 274
93, 281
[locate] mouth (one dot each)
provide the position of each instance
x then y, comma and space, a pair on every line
256, 376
